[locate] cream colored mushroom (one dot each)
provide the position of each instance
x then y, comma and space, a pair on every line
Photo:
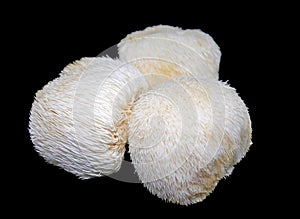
187, 134
162, 52
79, 121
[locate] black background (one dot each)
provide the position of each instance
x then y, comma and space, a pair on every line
45, 38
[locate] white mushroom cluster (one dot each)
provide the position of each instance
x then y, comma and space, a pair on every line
185, 129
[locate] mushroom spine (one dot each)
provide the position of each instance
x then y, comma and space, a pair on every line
79, 121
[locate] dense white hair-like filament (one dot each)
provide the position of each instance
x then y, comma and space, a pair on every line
187, 134
79, 120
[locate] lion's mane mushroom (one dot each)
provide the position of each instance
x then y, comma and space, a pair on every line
187, 134
162, 52
184, 135
79, 120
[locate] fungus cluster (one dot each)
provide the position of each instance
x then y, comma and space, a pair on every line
185, 129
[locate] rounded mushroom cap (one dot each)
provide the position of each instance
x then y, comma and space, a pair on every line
187, 134
79, 121
162, 52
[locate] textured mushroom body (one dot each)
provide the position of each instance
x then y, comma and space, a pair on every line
187, 134
79, 121
162, 52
